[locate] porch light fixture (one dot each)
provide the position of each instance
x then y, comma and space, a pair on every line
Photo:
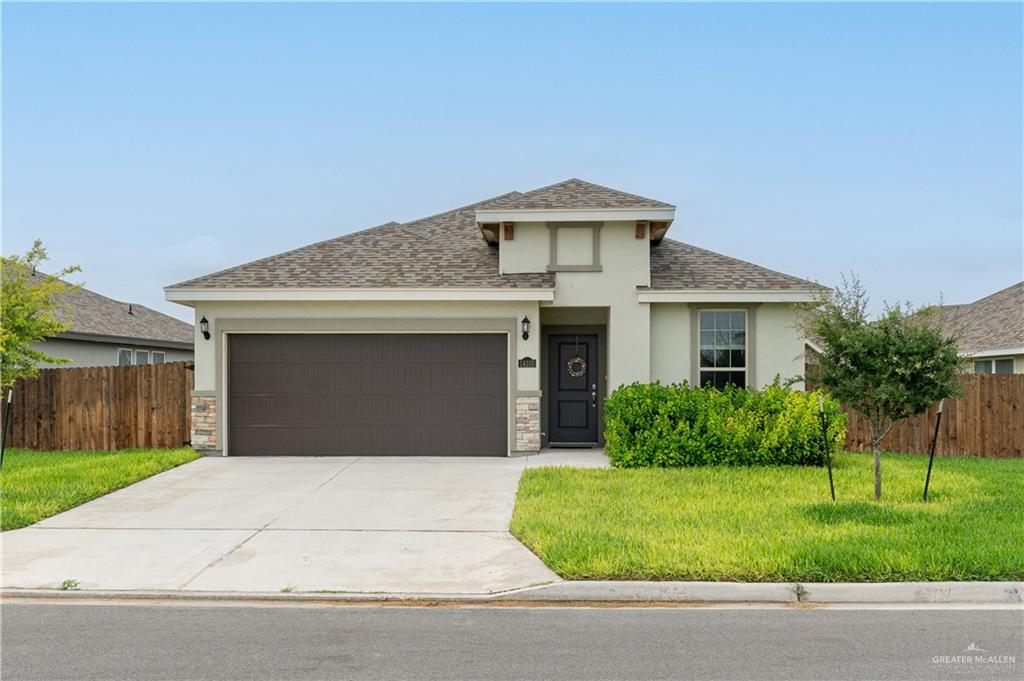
204, 327
525, 325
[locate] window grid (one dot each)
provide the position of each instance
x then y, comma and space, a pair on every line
723, 348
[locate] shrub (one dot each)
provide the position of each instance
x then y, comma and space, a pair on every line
655, 425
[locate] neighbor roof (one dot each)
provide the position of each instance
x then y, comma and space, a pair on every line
574, 194
91, 314
995, 322
447, 251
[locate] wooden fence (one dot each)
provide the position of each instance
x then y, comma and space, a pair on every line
103, 408
988, 420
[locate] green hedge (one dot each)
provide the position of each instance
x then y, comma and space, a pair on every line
654, 425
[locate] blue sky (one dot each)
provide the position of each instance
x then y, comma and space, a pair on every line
149, 143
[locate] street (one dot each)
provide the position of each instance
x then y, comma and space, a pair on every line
167, 641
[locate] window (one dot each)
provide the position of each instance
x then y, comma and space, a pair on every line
723, 348
124, 357
142, 356
158, 357
993, 366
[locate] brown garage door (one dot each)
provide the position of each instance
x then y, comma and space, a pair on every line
368, 394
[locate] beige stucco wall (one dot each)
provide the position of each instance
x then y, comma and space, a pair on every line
95, 354
526, 379
776, 344
625, 263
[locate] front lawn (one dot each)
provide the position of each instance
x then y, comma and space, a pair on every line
37, 485
778, 523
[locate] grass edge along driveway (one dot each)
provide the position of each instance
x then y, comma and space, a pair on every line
778, 523
36, 485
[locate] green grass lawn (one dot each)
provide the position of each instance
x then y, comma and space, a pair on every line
37, 485
778, 523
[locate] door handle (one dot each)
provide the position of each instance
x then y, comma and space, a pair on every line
593, 399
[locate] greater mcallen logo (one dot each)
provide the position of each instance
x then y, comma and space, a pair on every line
975, 656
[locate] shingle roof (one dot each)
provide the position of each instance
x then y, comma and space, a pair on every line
447, 251
675, 265
995, 322
574, 193
90, 313
441, 251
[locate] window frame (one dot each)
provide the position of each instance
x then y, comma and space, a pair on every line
141, 352
131, 357
154, 353
746, 369
991, 362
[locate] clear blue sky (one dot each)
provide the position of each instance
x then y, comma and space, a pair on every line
151, 143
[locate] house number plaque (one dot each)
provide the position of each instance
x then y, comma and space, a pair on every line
527, 363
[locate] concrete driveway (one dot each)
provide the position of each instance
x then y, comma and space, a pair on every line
399, 525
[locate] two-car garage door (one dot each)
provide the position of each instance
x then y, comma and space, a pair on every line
368, 394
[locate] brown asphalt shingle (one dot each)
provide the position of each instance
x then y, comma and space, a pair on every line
448, 251
91, 313
574, 193
995, 322
441, 251
675, 265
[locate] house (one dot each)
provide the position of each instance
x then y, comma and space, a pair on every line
990, 330
492, 329
106, 332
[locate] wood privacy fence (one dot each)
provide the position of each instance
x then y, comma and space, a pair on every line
988, 420
103, 408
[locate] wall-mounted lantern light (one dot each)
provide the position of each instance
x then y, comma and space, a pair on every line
204, 327
525, 325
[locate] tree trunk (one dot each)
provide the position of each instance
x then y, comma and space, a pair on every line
878, 472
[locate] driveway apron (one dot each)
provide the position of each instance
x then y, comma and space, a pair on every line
396, 525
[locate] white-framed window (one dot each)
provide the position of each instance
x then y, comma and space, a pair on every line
723, 348
994, 366
157, 357
124, 357
142, 357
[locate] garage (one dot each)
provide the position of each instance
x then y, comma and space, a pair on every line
367, 394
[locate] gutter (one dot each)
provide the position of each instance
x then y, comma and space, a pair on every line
124, 340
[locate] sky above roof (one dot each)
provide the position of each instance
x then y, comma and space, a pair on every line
151, 143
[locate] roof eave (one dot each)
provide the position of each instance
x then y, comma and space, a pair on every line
726, 295
653, 214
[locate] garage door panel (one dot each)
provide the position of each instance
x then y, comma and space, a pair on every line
368, 394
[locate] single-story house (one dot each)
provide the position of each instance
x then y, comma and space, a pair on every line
990, 330
107, 332
492, 329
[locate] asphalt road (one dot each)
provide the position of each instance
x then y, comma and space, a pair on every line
88, 641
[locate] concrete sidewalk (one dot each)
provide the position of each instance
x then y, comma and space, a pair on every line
410, 524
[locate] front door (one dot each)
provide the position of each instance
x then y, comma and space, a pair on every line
572, 389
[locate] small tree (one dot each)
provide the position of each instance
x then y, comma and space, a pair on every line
29, 303
887, 369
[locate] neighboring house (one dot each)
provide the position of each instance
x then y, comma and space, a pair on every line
491, 329
108, 332
990, 331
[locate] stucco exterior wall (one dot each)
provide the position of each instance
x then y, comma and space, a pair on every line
98, 354
776, 344
625, 264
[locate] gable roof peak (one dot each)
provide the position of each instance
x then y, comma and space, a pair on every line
575, 193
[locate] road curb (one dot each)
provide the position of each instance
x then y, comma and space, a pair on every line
605, 592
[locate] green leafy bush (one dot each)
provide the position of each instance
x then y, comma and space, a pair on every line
655, 425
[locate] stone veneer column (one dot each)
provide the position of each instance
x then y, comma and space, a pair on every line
204, 422
527, 424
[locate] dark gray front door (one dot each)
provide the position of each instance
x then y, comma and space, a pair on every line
368, 394
572, 388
